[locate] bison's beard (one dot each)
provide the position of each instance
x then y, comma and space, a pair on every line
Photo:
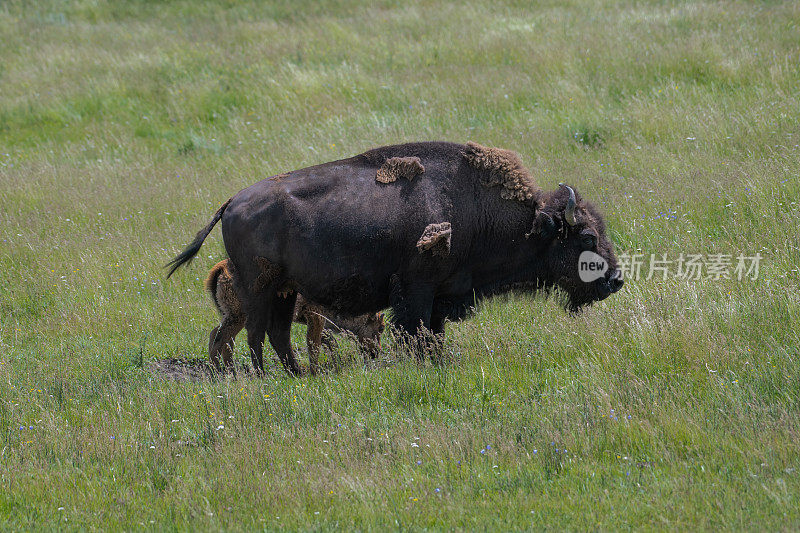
579, 295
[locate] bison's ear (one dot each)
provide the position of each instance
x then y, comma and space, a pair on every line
543, 227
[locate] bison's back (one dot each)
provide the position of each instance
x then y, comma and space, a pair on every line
340, 204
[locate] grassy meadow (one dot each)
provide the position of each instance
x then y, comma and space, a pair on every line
674, 404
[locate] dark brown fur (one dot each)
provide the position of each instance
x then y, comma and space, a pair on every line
351, 245
399, 167
219, 283
436, 238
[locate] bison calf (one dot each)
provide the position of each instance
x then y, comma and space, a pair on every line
366, 328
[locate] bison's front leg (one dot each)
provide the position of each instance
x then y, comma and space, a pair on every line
412, 305
437, 336
437, 324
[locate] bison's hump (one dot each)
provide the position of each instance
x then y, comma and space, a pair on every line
502, 167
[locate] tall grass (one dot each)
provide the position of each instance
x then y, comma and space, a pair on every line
673, 404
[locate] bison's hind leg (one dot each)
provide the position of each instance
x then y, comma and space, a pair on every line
270, 315
268, 312
279, 327
256, 331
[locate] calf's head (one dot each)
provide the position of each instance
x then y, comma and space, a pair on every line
574, 252
367, 330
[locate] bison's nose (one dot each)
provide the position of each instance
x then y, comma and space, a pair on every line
615, 280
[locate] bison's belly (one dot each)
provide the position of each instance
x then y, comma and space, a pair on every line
356, 294
349, 275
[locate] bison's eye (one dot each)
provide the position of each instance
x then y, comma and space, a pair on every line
588, 239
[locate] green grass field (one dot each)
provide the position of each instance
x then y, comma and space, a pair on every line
674, 404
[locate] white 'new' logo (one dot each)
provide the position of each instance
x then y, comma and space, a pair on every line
591, 266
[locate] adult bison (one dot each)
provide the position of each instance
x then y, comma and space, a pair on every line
425, 228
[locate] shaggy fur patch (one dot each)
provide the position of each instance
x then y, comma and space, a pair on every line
399, 167
269, 273
436, 238
505, 168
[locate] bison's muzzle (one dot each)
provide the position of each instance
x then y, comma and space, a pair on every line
610, 284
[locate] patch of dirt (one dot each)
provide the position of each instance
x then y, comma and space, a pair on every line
180, 369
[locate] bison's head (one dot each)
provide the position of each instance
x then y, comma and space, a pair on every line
574, 252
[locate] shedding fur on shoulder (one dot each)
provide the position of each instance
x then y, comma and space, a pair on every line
436, 238
399, 167
505, 168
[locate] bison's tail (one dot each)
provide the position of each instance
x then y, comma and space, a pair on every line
218, 270
190, 251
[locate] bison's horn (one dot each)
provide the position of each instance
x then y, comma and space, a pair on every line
569, 211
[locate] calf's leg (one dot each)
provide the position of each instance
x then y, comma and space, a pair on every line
221, 340
315, 325
213, 354
328, 340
